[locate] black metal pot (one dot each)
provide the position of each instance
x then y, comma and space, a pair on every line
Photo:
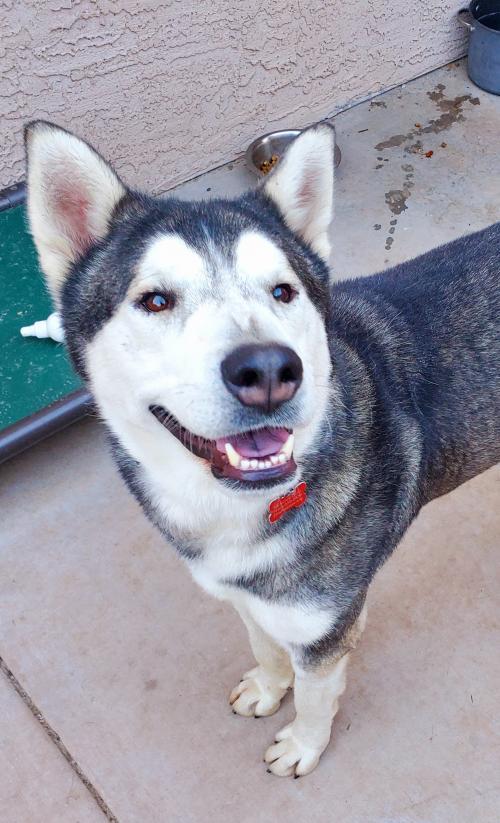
482, 18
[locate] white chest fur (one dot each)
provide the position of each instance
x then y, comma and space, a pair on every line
289, 624
193, 504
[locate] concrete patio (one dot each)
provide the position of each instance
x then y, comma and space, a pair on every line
116, 667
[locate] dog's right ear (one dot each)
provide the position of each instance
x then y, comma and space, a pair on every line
72, 193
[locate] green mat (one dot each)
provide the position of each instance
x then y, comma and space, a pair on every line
33, 373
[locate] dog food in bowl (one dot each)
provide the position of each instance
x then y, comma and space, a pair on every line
266, 165
265, 152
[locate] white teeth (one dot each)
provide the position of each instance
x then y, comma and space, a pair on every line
287, 449
232, 456
245, 463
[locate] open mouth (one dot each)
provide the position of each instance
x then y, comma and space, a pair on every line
263, 456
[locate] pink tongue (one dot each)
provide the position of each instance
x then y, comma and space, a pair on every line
256, 444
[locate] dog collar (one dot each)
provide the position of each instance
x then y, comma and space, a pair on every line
292, 500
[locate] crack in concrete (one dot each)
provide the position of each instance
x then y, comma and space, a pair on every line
56, 740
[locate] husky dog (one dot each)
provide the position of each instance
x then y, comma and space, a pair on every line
230, 372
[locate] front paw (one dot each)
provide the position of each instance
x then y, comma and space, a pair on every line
291, 756
259, 693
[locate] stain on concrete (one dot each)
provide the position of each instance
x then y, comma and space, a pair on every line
415, 148
151, 685
408, 169
396, 199
452, 109
437, 93
395, 140
451, 112
378, 104
377, 226
379, 166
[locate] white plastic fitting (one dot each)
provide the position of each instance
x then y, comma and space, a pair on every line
51, 327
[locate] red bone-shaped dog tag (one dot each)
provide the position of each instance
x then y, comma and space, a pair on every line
292, 500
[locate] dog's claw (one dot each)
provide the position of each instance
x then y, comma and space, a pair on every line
290, 757
259, 694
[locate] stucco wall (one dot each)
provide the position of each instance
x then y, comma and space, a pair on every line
171, 89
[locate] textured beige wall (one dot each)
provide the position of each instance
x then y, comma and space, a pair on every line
171, 89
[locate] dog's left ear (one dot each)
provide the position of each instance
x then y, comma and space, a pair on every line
302, 186
72, 193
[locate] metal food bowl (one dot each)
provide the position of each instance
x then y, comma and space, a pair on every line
261, 153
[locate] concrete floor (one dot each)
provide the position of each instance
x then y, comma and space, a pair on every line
116, 668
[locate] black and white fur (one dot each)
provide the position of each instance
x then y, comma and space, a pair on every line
399, 402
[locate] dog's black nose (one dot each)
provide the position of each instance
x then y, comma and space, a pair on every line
264, 376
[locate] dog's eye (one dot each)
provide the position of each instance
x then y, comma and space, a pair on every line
284, 293
157, 301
